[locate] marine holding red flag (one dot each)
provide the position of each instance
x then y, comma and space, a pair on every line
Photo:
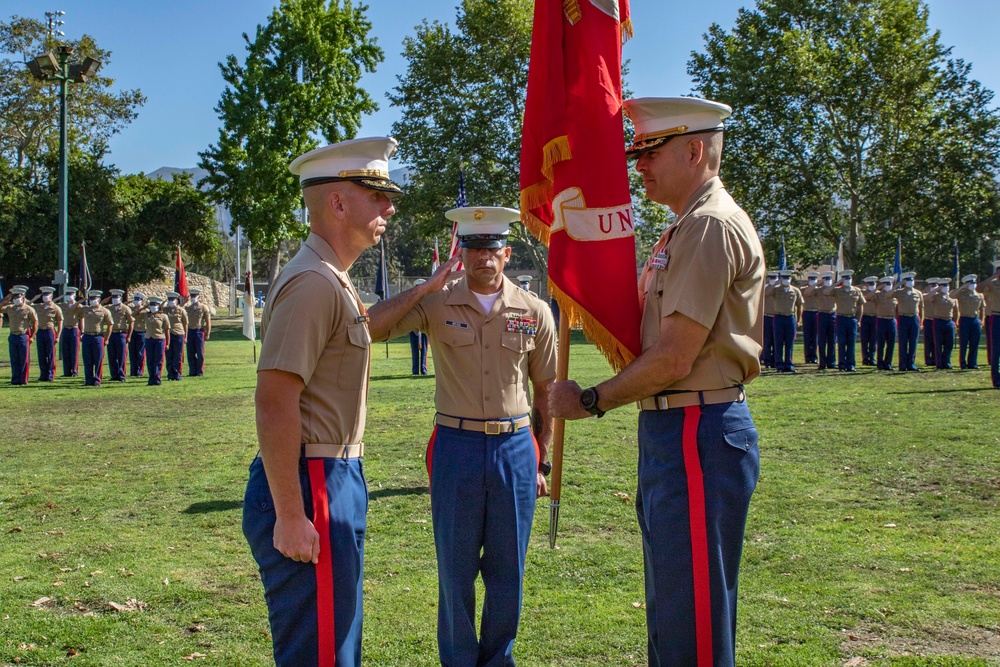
574, 176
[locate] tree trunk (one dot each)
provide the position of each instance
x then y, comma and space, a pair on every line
272, 266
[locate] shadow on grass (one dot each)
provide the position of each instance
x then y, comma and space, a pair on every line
405, 376
213, 506
405, 491
942, 391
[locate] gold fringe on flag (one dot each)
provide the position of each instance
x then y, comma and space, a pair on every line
571, 8
617, 354
626, 29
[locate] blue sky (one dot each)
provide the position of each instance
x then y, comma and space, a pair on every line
170, 50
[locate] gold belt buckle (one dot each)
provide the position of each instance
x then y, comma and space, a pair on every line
493, 428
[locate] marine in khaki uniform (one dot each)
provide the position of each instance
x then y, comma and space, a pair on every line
178, 334
156, 339
50, 319
494, 350
137, 341
69, 340
850, 303
702, 332
95, 323
930, 348
945, 311
885, 325
810, 317
23, 322
787, 299
121, 330
767, 357
826, 321
909, 314
990, 289
199, 331
868, 321
306, 499
971, 310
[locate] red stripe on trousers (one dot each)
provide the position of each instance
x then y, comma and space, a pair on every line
325, 630
430, 455
699, 536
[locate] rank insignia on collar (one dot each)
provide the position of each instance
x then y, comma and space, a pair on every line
517, 323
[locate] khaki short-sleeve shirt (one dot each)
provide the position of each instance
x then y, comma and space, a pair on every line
483, 362
885, 304
95, 319
121, 316
199, 315
970, 304
314, 326
769, 299
156, 325
990, 289
139, 321
809, 297
870, 306
826, 299
178, 319
50, 316
786, 299
713, 274
71, 315
943, 306
909, 301
850, 301
21, 318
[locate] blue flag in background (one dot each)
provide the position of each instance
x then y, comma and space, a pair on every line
461, 201
782, 258
897, 265
382, 277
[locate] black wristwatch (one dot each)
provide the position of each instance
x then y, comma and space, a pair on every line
545, 467
588, 401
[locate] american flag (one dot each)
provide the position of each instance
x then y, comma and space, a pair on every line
460, 202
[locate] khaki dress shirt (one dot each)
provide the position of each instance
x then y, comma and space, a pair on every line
21, 318
199, 316
786, 300
178, 320
870, 303
809, 297
315, 326
483, 362
990, 289
156, 325
943, 306
121, 316
885, 304
71, 316
713, 274
826, 300
850, 301
970, 304
50, 316
909, 302
769, 299
94, 319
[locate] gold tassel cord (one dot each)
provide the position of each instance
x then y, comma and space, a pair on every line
626, 29
617, 354
571, 8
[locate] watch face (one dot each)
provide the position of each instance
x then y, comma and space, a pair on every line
587, 399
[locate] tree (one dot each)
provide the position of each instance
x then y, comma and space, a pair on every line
852, 121
131, 224
462, 102
29, 109
300, 78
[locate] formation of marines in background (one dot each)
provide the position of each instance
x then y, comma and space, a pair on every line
141, 336
882, 314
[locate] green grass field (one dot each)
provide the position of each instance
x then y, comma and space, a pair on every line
874, 535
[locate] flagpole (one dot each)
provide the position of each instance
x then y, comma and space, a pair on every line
558, 432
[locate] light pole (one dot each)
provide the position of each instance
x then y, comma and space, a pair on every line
57, 67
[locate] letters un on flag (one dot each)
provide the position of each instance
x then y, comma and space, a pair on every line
574, 176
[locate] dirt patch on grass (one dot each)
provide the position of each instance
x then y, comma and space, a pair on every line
944, 639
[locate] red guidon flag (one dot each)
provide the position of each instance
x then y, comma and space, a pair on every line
574, 176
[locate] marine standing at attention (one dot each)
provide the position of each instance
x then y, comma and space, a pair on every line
702, 333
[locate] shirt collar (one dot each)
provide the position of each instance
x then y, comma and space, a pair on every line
511, 297
318, 244
707, 188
